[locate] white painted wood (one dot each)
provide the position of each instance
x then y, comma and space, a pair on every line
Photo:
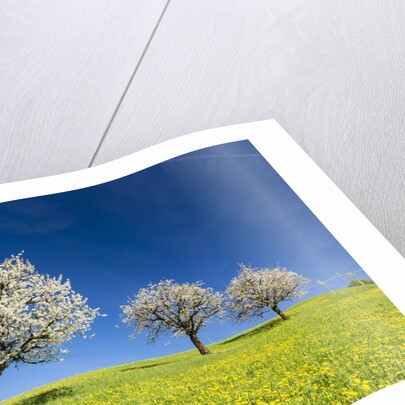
63, 68
330, 72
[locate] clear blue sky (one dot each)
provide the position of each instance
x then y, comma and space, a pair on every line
191, 218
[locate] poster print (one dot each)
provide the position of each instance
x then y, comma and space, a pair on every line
200, 278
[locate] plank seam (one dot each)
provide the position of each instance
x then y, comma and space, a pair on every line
138, 64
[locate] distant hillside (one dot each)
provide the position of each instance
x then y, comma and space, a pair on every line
335, 349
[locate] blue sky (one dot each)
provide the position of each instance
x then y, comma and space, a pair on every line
191, 218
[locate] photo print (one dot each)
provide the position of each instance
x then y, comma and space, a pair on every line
202, 278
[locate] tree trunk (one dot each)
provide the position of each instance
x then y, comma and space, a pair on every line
198, 344
277, 310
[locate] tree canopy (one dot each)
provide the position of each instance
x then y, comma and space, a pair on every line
357, 282
176, 309
256, 291
37, 314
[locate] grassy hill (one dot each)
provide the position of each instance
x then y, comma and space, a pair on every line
335, 349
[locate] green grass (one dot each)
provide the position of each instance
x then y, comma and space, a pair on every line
335, 349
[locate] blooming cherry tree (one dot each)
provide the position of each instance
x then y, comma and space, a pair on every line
37, 314
177, 309
256, 291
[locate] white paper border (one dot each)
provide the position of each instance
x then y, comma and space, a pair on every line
340, 216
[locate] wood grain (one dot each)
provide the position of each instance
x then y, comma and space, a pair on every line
330, 72
63, 68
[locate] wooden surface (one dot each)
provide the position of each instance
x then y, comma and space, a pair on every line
83, 83
63, 68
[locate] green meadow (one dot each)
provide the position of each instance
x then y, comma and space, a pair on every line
335, 349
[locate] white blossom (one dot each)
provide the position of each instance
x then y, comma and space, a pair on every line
176, 309
38, 313
256, 291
